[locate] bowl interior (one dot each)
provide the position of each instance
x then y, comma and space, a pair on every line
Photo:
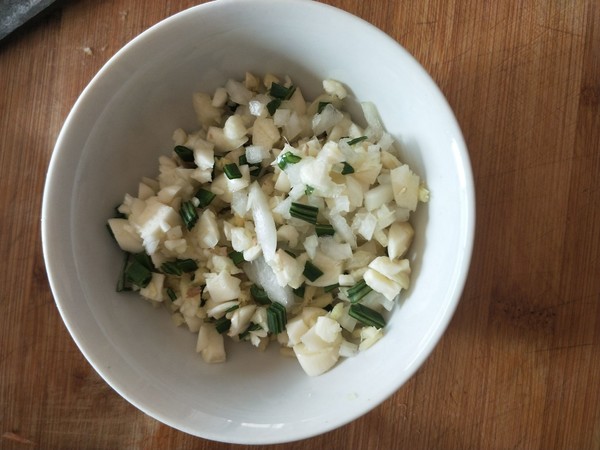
121, 124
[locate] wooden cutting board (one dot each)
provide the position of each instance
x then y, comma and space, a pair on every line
519, 366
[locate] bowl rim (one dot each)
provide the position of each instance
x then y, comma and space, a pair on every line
467, 232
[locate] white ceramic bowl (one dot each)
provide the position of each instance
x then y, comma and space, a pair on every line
113, 136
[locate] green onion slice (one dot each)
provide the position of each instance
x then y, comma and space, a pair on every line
287, 158
232, 171
171, 268
281, 92
188, 214
304, 212
311, 271
309, 190
273, 105
357, 140
322, 106
324, 229
300, 291
259, 295
347, 169
223, 324
358, 291
236, 257
138, 273
276, 318
331, 287
123, 283
205, 197
186, 154
252, 327
171, 293
366, 315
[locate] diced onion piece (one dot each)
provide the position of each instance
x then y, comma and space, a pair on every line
264, 224
223, 287
400, 237
316, 363
211, 344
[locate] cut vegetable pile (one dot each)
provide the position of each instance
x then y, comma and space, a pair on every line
279, 220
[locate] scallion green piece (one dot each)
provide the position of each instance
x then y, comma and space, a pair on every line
137, 273
188, 214
144, 259
171, 293
187, 265
300, 291
232, 171
273, 105
311, 271
309, 190
347, 169
205, 197
331, 287
123, 283
223, 324
256, 171
281, 92
243, 160
233, 308
322, 106
324, 229
185, 154
252, 327
292, 254
171, 268
276, 318
304, 212
236, 257
287, 158
358, 291
366, 315
357, 140
259, 295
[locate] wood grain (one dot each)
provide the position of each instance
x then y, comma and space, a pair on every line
519, 366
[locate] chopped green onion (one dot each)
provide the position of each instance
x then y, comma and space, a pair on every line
324, 229
287, 158
205, 197
223, 324
331, 287
357, 140
171, 268
188, 214
366, 315
347, 169
187, 265
232, 171
252, 327
233, 308
276, 318
293, 255
179, 267
309, 190
256, 172
311, 271
185, 154
171, 293
300, 291
281, 92
322, 106
259, 295
304, 212
358, 291
243, 160
138, 274
236, 257
123, 283
144, 259
273, 105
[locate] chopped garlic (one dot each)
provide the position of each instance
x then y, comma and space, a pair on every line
218, 242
